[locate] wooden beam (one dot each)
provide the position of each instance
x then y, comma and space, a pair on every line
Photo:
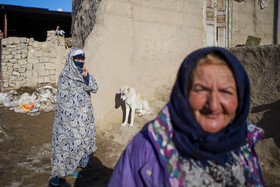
5, 25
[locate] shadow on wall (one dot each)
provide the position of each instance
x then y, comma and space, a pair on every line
120, 103
96, 175
270, 121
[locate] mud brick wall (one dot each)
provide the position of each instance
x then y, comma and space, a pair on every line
26, 62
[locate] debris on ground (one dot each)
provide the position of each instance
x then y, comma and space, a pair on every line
30, 101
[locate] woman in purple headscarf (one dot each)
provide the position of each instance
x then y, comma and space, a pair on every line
202, 136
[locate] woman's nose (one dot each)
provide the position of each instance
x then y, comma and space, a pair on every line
214, 101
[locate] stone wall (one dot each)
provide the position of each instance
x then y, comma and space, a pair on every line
26, 62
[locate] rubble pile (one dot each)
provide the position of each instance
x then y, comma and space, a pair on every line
42, 99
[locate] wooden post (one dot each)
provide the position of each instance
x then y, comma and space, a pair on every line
5, 26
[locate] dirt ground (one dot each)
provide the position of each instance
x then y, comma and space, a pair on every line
25, 143
25, 152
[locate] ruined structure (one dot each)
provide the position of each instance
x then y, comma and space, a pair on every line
26, 62
19, 21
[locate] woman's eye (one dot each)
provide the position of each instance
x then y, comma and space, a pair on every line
200, 89
227, 92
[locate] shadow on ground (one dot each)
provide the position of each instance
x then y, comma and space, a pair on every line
96, 175
270, 121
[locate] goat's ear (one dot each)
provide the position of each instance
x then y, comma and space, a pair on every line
128, 89
121, 90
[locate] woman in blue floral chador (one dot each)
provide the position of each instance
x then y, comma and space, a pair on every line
74, 137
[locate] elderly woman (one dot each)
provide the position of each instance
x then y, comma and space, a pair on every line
73, 138
201, 137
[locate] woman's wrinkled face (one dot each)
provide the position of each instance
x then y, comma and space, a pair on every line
213, 96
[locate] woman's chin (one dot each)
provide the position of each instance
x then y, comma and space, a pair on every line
212, 126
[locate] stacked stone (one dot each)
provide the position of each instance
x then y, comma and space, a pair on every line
26, 62
14, 61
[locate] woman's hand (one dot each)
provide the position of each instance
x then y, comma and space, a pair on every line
85, 71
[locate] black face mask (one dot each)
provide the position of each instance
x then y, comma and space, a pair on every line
79, 64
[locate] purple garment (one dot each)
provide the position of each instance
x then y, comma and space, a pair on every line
142, 164
139, 165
